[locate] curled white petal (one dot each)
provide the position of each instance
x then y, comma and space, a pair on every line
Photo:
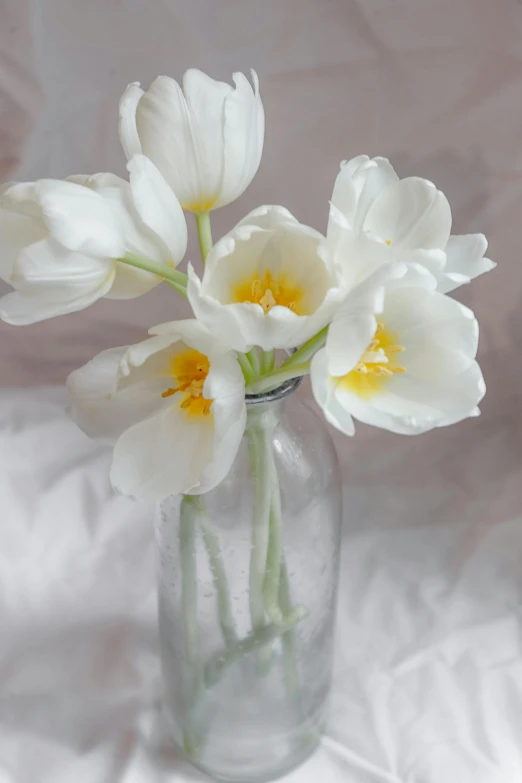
244, 133
465, 261
158, 207
130, 141
51, 281
79, 218
410, 214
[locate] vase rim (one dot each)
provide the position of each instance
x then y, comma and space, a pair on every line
273, 395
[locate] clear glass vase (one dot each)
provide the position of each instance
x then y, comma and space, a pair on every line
247, 590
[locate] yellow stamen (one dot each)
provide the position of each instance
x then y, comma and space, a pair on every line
190, 369
376, 366
269, 291
388, 242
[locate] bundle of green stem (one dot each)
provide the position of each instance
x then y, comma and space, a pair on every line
272, 614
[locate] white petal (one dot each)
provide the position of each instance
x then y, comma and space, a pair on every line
222, 320
466, 261
225, 384
433, 261
130, 282
268, 217
447, 395
244, 132
79, 219
344, 198
472, 387
420, 317
354, 324
16, 232
418, 419
158, 207
52, 281
138, 238
358, 184
369, 181
415, 276
359, 257
150, 359
348, 338
169, 139
192, 332
20, 197
340, 231
324, 393
130, 141
100, 181
206, 100
411, 407
163, 455
99, 408
410, 214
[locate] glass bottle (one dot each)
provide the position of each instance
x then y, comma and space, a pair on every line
247, 578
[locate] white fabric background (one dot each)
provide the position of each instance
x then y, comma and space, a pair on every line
428, 685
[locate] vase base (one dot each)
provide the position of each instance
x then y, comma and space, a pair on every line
277, 757
245, 775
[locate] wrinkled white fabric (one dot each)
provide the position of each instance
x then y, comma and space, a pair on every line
428, 672
428, 665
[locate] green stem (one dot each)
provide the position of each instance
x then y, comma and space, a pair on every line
274, 553
290, 670
259, 445
204, 233
219, 576
267, 361
253, 358
178, 280
246, 367
277, 377
189, 608
256, 640
307, 350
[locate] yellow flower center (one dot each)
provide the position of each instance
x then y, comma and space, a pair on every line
199, 206
190, 370
377, 365
269, 291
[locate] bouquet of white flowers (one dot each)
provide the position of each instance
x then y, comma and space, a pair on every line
364, 310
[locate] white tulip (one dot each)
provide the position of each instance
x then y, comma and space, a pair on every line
400, 356
375, 217
60, 240
266, 283
174, 405
206, 139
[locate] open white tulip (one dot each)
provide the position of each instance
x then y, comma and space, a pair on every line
407, 220
175, 406
206, 139
400, 356
60, 240
266, 283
